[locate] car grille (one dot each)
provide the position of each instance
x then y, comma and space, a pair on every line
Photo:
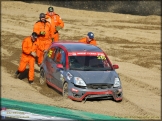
99, 86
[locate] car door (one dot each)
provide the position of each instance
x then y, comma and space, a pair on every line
58, 74
49, 62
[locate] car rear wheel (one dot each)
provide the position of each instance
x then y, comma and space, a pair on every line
42, 78
65, 90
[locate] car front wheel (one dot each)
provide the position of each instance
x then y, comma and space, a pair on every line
42, 78
65, 90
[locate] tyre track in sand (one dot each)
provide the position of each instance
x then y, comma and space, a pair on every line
140, 96
147, 87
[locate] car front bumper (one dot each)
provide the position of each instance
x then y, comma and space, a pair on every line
80, 94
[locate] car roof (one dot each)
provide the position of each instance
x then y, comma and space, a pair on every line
79, 47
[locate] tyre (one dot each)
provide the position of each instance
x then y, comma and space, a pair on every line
118, 101
65, 90
42, 79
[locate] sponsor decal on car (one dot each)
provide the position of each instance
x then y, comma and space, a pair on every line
61, 77
61, 71
69, 76
86, 53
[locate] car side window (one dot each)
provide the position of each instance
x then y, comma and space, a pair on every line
60, 57
51, 53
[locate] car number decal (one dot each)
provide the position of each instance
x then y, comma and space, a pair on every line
49, 53
102, 57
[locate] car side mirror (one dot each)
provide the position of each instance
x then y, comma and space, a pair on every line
59, 66
115, 66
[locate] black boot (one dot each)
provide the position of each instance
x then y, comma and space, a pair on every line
31, 82
16, 75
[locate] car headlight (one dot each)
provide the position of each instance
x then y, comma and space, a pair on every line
78, 81
116, 82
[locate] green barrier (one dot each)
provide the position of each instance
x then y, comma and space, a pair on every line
54, 111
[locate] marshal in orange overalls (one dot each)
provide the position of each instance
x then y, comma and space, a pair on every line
55, 21
85, 40
44, 41
26, 58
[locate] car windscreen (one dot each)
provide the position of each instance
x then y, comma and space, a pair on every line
89, 63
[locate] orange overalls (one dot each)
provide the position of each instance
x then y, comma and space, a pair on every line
44, 41
26, 58
55, 20
84, 40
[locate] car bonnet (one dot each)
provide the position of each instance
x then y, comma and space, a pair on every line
95, 76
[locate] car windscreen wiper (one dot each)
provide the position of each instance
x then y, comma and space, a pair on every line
102, 69
88, 69
81, 69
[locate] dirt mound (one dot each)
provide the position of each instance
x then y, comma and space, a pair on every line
132, 42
